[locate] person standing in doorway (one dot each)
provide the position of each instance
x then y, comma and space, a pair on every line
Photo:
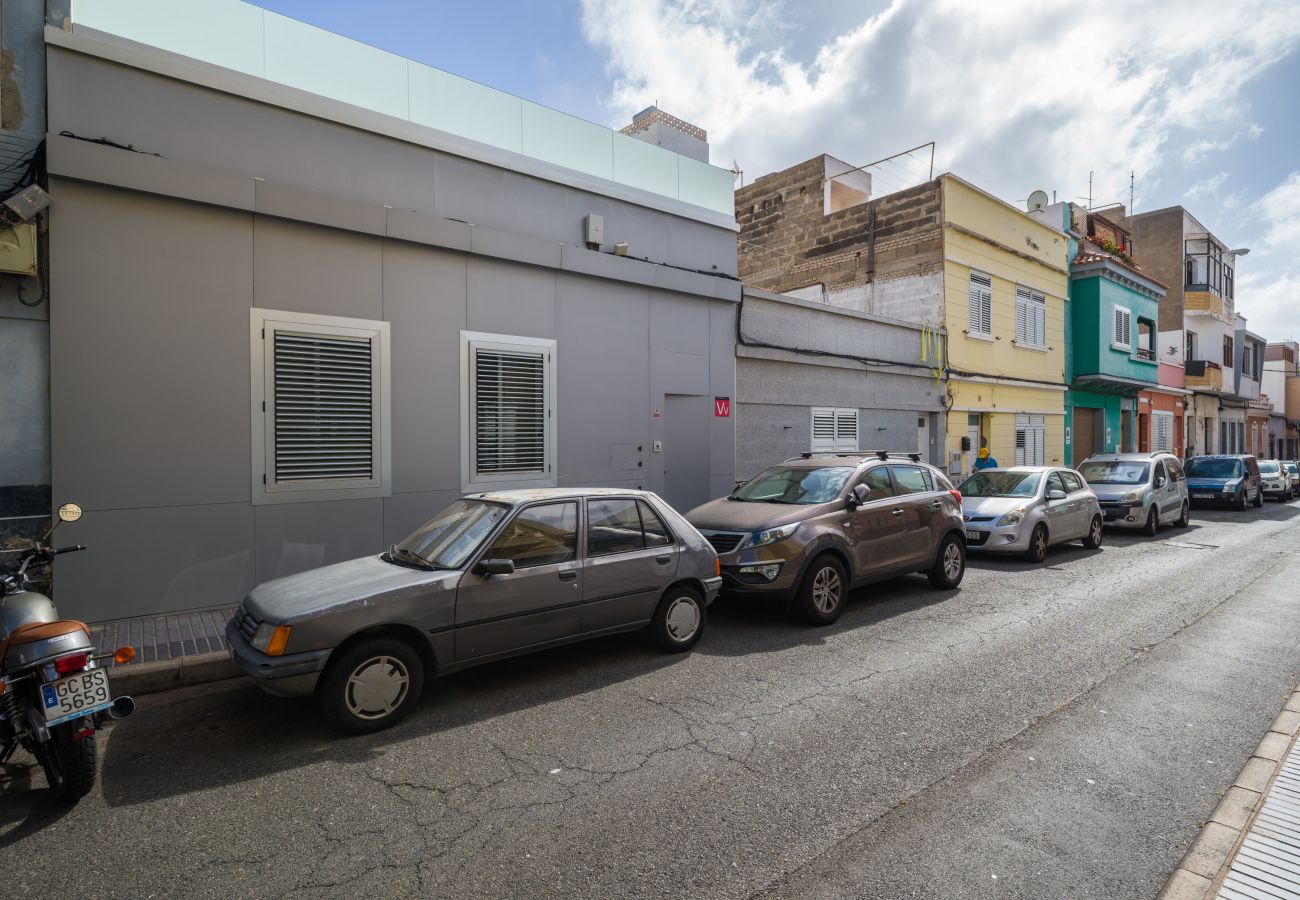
985, 460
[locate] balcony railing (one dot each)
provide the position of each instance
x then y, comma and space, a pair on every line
1204, 374
1145, 353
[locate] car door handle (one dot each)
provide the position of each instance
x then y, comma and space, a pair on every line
568, 576
898, 512
664, 560
936, 504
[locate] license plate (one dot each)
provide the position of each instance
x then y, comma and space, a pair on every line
1203, 496
974, 535
76, 695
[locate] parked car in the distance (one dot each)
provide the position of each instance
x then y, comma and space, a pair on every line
1293, 469
1026, 509
1139, 490
493, 575
1225, 479
1276, 480
817, 525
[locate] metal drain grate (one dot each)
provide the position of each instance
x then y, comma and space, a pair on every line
170, 636
1267, 865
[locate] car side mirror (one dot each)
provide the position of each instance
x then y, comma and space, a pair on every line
1160, 481
495, 567
858, 496
1056, 495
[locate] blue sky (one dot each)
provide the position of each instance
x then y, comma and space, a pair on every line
1197, 97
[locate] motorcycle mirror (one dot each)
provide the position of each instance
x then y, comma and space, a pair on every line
69, 512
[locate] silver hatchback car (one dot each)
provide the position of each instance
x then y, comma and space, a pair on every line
1026, 509
1139, 490
493, 575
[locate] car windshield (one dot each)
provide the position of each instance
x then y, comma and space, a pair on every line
450, 538
795, 484
1001, 484
1114, 472
1209, 467
1269, 467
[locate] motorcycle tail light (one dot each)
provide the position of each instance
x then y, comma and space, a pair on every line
74, 663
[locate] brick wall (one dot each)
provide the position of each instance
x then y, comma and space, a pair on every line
786, 242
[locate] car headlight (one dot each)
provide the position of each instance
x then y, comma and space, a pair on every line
772, 535
270, 639
768, 571
1132, 497
1232, 485
1015, 517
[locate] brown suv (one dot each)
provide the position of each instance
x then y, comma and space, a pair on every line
820, 524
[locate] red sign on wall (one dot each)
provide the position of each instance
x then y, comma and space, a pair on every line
722, 407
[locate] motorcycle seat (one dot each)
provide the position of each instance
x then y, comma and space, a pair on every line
41, 631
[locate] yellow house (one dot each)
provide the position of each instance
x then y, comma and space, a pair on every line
1006, 283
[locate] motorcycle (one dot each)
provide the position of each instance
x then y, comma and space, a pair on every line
54, 694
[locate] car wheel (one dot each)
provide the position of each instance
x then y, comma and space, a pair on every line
1092, 540
372, 686
1259, 497
821, 596
1037, 551
1153, 522
1241, 501
949, 564
679, 619
1185, 518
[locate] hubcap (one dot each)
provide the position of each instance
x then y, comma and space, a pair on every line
952, 562
377, 687
1096, 531
826, 589
1040, 542
683, 618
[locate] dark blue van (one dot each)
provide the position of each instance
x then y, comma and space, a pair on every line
1229, 480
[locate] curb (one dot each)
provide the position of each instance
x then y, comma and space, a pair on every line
166, 674
1206, 864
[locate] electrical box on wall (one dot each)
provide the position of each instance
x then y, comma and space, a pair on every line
594, 228
18, 249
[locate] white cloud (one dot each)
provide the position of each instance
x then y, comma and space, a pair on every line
1268, 285
1018, 94
1206, 186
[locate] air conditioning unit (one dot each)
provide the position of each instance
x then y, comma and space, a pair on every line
18, 249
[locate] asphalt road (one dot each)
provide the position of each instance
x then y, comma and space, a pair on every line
1042, 732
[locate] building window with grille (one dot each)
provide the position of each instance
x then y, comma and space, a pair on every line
981, 305
1031, 319
834, 430
508, 434
1031, 439
320, 407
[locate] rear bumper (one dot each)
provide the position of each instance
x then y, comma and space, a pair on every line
712, 586
284, 676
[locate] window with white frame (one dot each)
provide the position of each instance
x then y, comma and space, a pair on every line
1031, 318
981, 305
834, 430
1031, 439
1122, 327
320, 392
1162, 431
509, 422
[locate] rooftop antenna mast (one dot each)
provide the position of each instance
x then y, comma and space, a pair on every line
1089, 190
1130, 192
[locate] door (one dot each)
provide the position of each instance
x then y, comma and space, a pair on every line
631, 560
687, 423
1077, 491
540, 601
1167, 493
1085, 421
973, 434
877, 526
923, 437
1062, 515
920, 504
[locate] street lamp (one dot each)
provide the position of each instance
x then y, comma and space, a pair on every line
1242, 252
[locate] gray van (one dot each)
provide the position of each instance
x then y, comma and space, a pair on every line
1139, 490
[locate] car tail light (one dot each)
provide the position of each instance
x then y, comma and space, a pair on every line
74, 663
956, 495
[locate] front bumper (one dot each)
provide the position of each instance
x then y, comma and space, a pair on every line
985, 537
1203, 496
1121, 515
294, 675
1276, 490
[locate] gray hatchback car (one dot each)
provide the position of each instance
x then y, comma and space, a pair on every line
817, 525
493, 575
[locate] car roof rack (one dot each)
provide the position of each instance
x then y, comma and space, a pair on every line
857, 454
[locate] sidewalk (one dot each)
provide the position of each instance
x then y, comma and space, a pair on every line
1250, 848
172, 650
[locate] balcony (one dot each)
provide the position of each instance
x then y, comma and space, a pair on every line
1204, 375
1206, 302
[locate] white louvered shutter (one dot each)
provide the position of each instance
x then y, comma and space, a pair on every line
1123, 327
981, 304
322, 388
1031, 440
1038, 320
1163, 437
509, 411
846, 430
834, 430
1024, 329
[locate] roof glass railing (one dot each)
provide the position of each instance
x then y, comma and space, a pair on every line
248, 39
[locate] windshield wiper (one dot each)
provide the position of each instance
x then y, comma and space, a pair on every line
403, 557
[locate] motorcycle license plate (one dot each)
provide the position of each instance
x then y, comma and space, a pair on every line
77, 695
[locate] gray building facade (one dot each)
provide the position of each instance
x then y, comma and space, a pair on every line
264, 259
812, 376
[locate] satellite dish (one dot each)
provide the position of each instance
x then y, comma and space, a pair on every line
1037, 200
